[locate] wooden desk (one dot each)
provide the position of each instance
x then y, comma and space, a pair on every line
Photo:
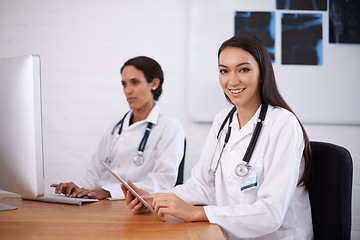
101, 220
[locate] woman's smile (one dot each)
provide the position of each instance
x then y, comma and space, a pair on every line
236, 91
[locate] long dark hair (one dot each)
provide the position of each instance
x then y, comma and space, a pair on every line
151, 70
269, 92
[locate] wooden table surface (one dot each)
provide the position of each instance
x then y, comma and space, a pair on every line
101, 220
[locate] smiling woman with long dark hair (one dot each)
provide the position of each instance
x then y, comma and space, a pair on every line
256, 160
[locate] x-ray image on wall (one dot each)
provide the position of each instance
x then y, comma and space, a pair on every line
319, 5
344, 21
260, 24
302, 41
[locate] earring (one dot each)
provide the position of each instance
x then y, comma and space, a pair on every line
154, 88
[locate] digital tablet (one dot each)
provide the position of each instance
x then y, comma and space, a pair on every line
132, 191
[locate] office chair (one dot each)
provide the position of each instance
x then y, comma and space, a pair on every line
180, 177
331, 190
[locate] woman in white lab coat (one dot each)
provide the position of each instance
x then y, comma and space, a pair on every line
266, 197
144, 146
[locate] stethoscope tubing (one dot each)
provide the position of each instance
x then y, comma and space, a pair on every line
138, 159
243, 167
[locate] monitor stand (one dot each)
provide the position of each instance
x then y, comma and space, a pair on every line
4, 207
3, 195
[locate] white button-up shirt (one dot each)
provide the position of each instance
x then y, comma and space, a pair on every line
162, 156
277, 208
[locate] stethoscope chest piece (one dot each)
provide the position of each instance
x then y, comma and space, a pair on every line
211, 172
242, 169
138, 160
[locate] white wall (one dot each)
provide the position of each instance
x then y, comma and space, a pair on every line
83, 43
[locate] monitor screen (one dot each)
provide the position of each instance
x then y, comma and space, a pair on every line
21, 138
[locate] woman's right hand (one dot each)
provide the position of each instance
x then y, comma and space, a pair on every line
65, 188
133, 203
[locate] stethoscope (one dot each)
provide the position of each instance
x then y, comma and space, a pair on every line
138, 159
242, 168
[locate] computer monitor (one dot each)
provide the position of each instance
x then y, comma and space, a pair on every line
21, 136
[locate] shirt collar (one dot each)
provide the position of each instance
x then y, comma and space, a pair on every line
154, 114
152, 117
249, 126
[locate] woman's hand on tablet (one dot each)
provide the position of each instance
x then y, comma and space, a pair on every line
133, 203
169, 203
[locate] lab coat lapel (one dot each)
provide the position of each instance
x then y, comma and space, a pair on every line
247, 129
152, 117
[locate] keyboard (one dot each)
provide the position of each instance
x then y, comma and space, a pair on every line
61, 199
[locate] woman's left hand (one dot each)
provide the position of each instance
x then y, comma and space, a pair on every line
133, 203
169, 203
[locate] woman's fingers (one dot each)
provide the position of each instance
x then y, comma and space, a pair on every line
161, 204
80, 192
137, 207
129, 197
133, 203
123, 188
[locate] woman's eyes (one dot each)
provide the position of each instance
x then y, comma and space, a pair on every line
223, 71
133, 82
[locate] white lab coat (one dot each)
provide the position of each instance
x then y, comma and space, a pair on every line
162, 156
277, 208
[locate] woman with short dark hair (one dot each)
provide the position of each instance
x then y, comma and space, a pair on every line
144, 146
